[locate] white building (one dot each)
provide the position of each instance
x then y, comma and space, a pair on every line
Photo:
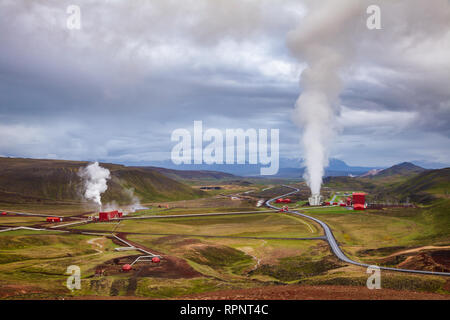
315, 200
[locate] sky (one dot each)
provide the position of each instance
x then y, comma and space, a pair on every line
115, 89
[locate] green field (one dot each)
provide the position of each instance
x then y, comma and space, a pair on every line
260, 224
395, 227
33, 264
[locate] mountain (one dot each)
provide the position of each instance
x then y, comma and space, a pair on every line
430, 164
401, 169
47, 181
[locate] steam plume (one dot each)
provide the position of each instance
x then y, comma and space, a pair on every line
323, 40
95, 179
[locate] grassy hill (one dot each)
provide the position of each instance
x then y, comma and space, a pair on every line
402, 169
423, 187
47, 181
399, 183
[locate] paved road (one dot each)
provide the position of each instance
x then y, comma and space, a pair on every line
335, 246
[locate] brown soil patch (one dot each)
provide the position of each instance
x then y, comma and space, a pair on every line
442, 257
11, 290
427, 261
297, 292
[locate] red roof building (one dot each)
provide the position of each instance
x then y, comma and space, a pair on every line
349, 201
359, 200
105, 216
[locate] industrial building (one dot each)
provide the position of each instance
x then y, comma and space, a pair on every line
281, 200
359, 200
105, 216
315, 200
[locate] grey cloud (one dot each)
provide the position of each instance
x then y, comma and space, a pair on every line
137, 70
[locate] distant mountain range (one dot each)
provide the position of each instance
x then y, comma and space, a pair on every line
289, 168
430, 164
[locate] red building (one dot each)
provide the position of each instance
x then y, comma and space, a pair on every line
279, 200
156, 260
287, 200
53, 219
105, 216
359, 200
349, 202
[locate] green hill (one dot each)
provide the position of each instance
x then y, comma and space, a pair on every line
47, 181
399, 183
423, 187
401, 169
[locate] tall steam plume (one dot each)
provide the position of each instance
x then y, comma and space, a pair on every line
95, 179
324, 41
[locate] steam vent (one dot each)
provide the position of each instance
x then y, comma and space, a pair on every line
315, 200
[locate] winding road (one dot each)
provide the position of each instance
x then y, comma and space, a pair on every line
335, 246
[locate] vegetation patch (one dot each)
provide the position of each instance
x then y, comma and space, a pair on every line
8, 258
295, 268
380, 251
154, 288
220, 257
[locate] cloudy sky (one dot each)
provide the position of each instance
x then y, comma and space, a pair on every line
137, 70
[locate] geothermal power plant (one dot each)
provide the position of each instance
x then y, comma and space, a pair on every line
315, 200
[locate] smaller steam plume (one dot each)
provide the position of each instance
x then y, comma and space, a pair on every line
133, 206
95, 181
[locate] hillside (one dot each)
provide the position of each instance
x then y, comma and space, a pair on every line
46, 181
423, 187
401, 182
401, 169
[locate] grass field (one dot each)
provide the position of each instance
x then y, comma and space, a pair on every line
396, 227
33, 264
264, 225
14, 221
181, 210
